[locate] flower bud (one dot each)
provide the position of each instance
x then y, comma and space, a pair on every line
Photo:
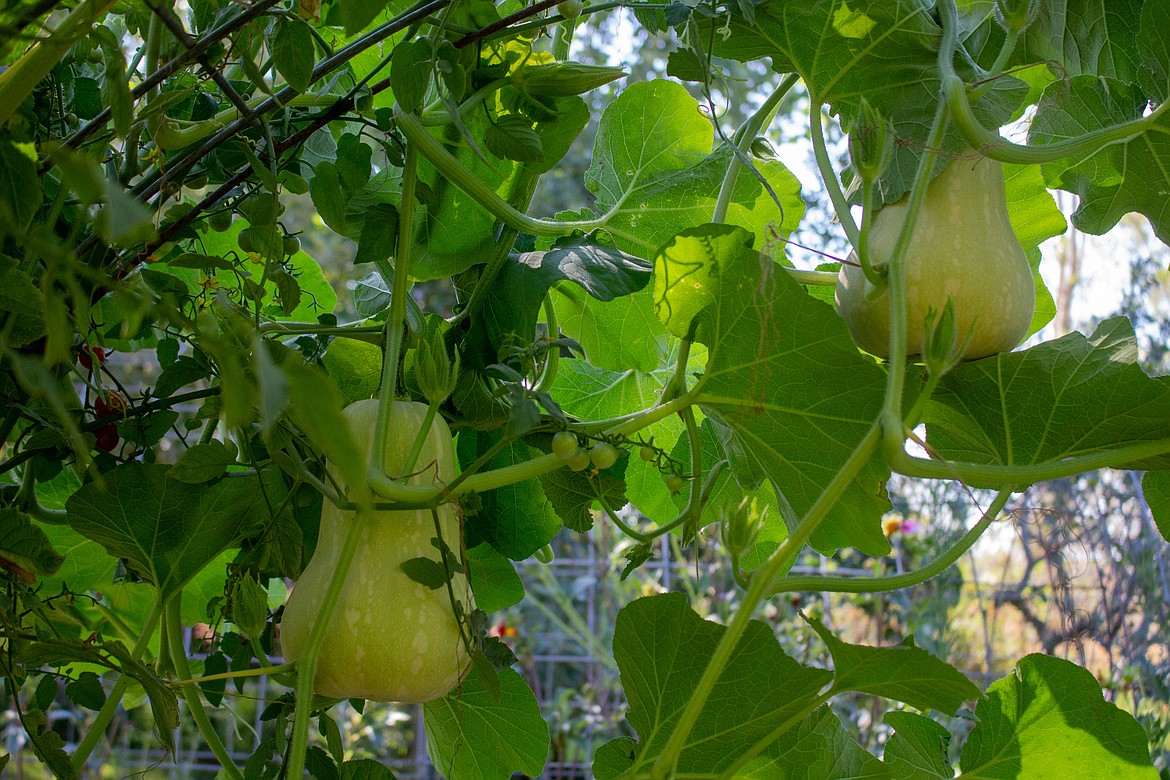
563, 79
942, 347
435, 372
1016, 14
741, 524
248, 606
871, 142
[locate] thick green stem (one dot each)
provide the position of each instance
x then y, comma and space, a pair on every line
307, 663
991, 144
430, 148
261, 671
694, 508
395, 321
892, 421
829, 174
416, 496
106, 714
760, 583
1001, 60
653, 533
191, 693
993, 475
872, 274
552, 356
21, 78
820, 584
814, 278
419, 439
744, 138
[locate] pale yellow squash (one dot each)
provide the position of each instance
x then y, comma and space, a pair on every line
962, 248
391, 638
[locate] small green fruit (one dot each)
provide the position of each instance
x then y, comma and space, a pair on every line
603, 454
570, 9
579, 460
564, 444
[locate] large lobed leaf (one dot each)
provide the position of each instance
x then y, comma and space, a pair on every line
166, 530
882, 50
473, 735
1049, 721
782, 373
518, 292
654, 172
1120, 178
1070, 396
1075, 37
903, 673
661, 647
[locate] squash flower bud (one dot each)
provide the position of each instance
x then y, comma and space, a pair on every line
942, 348
1016, 14
740, 525
871, 142
563, 79
436, 373
249, 606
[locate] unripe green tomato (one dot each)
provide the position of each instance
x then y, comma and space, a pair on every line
579, 460
244, 240
603, 454
647, 453
219, 221
674, 483
564, 444
570, 9
94, 56
196, 182
292, 245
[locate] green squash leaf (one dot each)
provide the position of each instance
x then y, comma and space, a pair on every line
1069, 396
1049, 720
1119, 178
918, 748
783, 377
167, 530
903, 673
655, 173
661, 647
472, 735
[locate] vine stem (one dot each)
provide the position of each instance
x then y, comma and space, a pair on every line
829, 175
992, 144
21, 78
423, 432
395, 322
891, 415
458, 174
665, 763
421, 496
260, 671
747, 134
106, 714
994, 474
191, 694
898, 581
